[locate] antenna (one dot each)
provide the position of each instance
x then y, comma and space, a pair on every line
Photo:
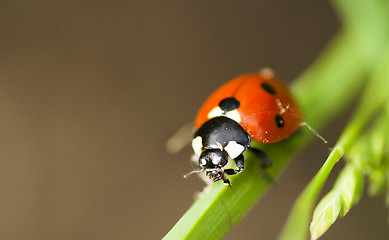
190, 173
314, 132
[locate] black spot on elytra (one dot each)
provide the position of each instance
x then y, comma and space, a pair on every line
279, 121
229, 104
268, 88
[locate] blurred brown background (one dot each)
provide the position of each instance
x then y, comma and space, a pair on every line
91, 90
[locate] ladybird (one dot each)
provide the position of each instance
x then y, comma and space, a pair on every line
250, 107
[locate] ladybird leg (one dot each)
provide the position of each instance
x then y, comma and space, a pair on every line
225, 180
222, 176
265, 160
215, 175
239, 161
180, 139
218, 178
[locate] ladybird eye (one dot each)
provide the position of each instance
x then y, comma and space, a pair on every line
268, 88
279, 121
229, 104
203, 162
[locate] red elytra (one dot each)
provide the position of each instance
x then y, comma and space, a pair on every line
262, 98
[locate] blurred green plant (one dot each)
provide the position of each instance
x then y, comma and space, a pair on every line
348, 188
358, 53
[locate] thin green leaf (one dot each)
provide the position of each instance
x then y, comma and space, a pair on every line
350, 186
373, 142
377, 180
325, 214
346, 192
360, 153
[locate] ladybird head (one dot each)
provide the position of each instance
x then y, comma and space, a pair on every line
213, 158
212, 162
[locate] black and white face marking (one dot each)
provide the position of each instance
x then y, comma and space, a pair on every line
213, 158
215, 142
221, 133
233, 149
227, 108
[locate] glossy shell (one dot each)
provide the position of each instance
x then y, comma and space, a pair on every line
268, 112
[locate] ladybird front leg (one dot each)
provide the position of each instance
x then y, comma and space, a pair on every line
239, 161
266, 162
217, 175
225, 180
